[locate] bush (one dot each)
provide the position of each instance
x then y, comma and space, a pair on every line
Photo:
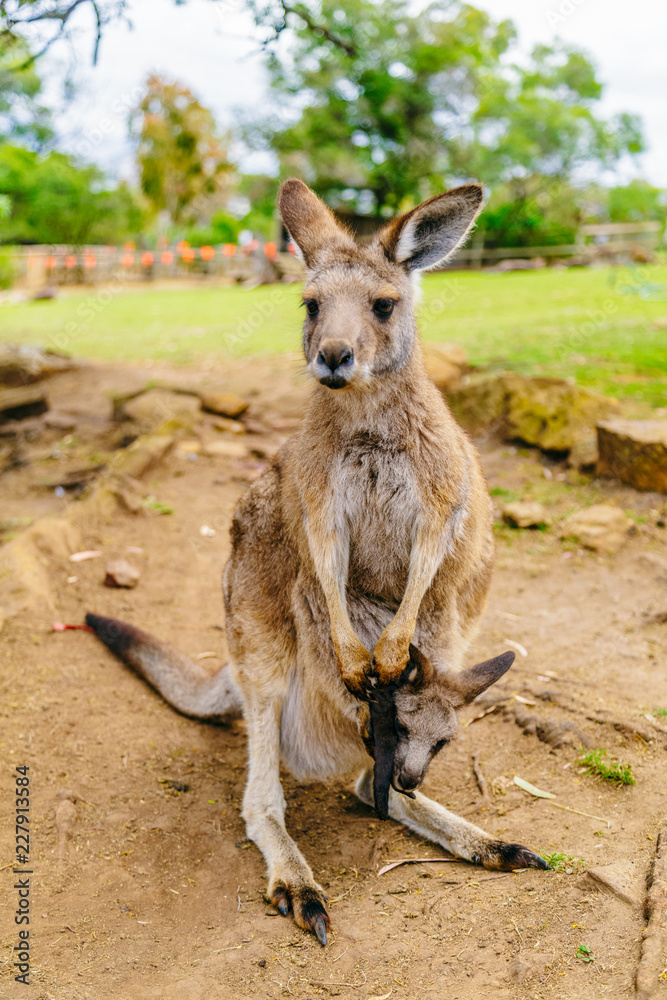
7, 267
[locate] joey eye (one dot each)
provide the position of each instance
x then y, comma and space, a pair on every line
383, 307
401, 730
439, 745
312, 307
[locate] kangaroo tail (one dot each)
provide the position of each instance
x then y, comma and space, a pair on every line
180, 681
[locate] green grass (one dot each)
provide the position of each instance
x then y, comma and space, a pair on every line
617, 772
595, 325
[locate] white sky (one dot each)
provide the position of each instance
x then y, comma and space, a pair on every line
211, 48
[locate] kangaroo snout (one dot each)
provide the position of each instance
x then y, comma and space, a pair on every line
334, 365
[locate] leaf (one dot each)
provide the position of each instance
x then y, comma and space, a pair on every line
532, 790
517, 645
78, 557
411, 861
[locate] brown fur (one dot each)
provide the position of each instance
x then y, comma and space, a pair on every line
371, 530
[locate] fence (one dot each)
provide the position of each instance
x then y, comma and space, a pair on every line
37, 267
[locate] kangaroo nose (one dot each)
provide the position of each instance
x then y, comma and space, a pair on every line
334, 353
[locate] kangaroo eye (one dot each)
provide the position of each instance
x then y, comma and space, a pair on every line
401, 730
439, 745
312, 307
383, 307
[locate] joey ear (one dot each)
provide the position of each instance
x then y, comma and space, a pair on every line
471, 682
309, 222
431, 232
419, 669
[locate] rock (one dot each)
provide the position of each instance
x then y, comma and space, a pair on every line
142, 456
525, 514
152, 407
23, 401
59, 421
601, 527
528, 963
481, 404
228, 426
120, 573
25, 573
634, 451
546, 412
584, 454
620, 879
23, 364
225, 404
553, 414
445, 364
225, 449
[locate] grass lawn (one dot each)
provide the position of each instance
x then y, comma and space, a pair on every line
606, 327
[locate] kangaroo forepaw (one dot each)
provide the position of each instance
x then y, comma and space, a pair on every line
508, 857
307, 906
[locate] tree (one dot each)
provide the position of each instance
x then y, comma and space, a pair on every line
380, 128
428, 99
21, 116
540, 119
54, 19
51, 200
637, 201
184, 170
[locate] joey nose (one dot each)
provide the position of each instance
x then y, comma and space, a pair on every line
408, 780
334, 353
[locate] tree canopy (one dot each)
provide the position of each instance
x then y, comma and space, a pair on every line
412, 102
183, 165
49, 199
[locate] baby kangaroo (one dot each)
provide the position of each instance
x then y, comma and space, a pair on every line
370, 531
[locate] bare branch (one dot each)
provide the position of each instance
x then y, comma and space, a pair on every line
317, 29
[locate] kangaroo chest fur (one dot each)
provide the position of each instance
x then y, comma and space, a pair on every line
376, 498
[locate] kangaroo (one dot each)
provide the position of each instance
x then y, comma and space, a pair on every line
364, 549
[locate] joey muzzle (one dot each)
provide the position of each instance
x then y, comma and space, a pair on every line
383, 737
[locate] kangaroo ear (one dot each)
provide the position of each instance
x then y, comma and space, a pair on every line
471, 682
385, 740
309, 222
429, 234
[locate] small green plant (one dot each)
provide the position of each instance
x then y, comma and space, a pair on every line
660, 711
594, 763
585, 953
150, 503
562, 862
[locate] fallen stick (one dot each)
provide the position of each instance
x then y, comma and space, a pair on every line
479, 777
652, 958
413, 861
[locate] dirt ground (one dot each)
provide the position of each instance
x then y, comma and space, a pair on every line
142, 890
